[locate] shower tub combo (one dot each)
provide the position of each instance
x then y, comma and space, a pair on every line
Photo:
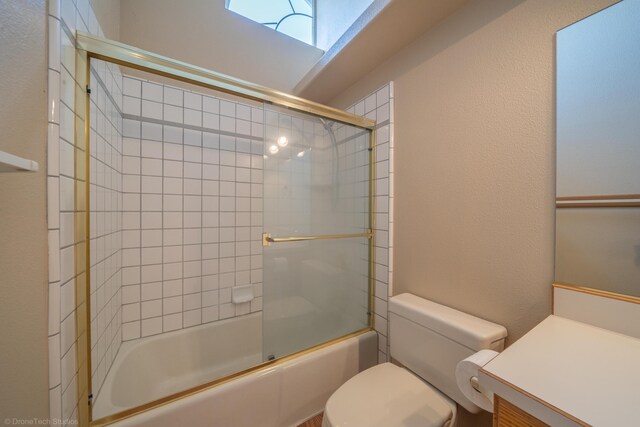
239, 289
281, 394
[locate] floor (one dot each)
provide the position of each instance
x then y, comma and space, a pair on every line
313, 422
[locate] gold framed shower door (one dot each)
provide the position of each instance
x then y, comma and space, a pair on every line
89, 47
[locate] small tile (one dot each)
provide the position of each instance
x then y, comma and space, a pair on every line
54, 360
173, 96
210, 105
152, 92
192, 117
151, 326
193, 101
151, 110
209, 314
53, 91
172, 322
53, 202
55, 394
173, 114
152, 149
174, 135
54, 308
227, 124
150, 291
151, 308
54, 44
130, 331
226, 311
132, 87
227, 108
68, 14
131, 105
192, 318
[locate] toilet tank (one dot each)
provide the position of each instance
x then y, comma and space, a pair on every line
430, 339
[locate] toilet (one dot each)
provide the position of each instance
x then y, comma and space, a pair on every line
429, 340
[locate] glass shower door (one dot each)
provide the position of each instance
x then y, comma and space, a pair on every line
315, 230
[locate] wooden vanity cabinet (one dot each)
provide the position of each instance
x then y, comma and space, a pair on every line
506, 414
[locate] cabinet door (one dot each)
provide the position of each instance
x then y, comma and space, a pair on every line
506, 414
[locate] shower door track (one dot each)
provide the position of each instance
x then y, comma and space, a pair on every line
92, 47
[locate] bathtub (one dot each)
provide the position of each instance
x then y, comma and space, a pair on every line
284, 393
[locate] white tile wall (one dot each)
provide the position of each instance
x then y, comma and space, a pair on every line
106, 219
65, 16
379, 106
176, 203
191, 231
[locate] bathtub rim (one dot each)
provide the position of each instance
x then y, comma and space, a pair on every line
129, 346
264, 366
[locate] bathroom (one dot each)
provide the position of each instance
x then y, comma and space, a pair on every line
263, 206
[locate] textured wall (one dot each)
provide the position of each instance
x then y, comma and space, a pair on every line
475, 121
204, 33
333, 19
23, 229
475, 159
108, 15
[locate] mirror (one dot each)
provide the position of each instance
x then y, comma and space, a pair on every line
598, 151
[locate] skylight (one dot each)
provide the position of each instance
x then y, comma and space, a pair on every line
294, 18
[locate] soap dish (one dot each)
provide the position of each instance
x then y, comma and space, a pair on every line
242, 294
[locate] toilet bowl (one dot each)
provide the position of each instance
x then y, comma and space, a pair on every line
429, 340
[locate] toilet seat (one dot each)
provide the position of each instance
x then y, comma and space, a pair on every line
388, 396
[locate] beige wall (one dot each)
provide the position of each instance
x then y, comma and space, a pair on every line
108, 14
23, 229
475, 159
204, 33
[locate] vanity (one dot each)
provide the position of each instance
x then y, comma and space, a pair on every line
566, 373
580, 366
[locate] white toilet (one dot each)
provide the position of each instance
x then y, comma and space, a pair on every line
429, 339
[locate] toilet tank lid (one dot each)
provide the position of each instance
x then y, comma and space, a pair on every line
468, 330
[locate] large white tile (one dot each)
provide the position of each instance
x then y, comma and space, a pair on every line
173, 96
53, 150
192, 318
54, 43
172, 322
68, 367
68, 14
152, 308
152, 91
210, 105
151, 110
53, 202
67, 333
54, 360
54, 308
67, 264
152, 326
193, 101
132, 87
131, 105
53, 90
173, 114
130, 331
55, 395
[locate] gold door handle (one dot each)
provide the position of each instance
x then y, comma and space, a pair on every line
268, 239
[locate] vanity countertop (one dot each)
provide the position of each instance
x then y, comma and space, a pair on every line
568, 373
